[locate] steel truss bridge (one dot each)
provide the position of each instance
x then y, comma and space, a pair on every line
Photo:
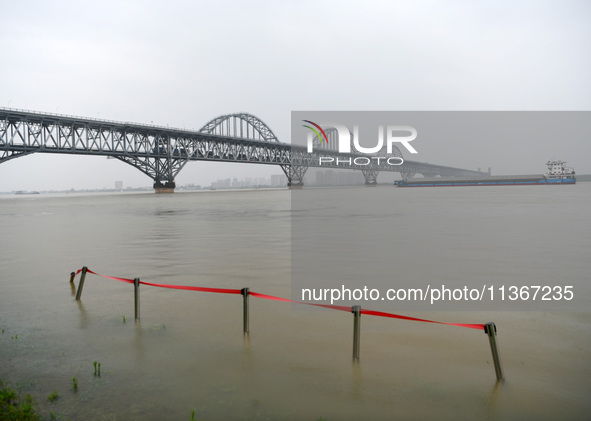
162, 152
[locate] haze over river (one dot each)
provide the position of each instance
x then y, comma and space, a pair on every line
189, 353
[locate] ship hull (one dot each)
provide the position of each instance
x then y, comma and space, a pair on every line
489, 181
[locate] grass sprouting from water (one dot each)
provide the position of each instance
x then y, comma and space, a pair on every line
97, 368
53, 396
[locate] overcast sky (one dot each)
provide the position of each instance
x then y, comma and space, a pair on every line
182, 63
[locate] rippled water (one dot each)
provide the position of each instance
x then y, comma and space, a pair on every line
189, 353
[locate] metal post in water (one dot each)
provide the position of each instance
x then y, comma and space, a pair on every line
72, 275
136, 296
356, 310
491, 330
245, 293
81, 283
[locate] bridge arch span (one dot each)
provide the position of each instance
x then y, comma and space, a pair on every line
332, 136
240, 125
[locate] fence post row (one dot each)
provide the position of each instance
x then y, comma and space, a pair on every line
245, 293
491, 330
136, 298
356, 310
81, 283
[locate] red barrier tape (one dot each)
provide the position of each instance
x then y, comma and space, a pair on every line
369, 312
217, 290
188, 288
397, 316
129, 281
271, 297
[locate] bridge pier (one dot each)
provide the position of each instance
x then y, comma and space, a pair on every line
371, 177
167, 187
295, 175
293, 186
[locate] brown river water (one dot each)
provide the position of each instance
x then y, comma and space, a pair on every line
188, 351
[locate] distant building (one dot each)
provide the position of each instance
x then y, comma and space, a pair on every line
334, 178
222, 184
118, 185
278, 180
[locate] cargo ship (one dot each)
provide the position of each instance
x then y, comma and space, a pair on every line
557, 173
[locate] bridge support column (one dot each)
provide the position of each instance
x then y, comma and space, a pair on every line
167, 187
295, 175
371, 177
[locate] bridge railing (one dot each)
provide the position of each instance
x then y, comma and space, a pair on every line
97, 120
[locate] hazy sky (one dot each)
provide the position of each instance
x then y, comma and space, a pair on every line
182, 63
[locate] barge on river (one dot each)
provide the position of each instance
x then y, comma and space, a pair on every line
557, 174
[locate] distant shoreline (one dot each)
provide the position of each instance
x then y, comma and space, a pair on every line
130, 190
580, 178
